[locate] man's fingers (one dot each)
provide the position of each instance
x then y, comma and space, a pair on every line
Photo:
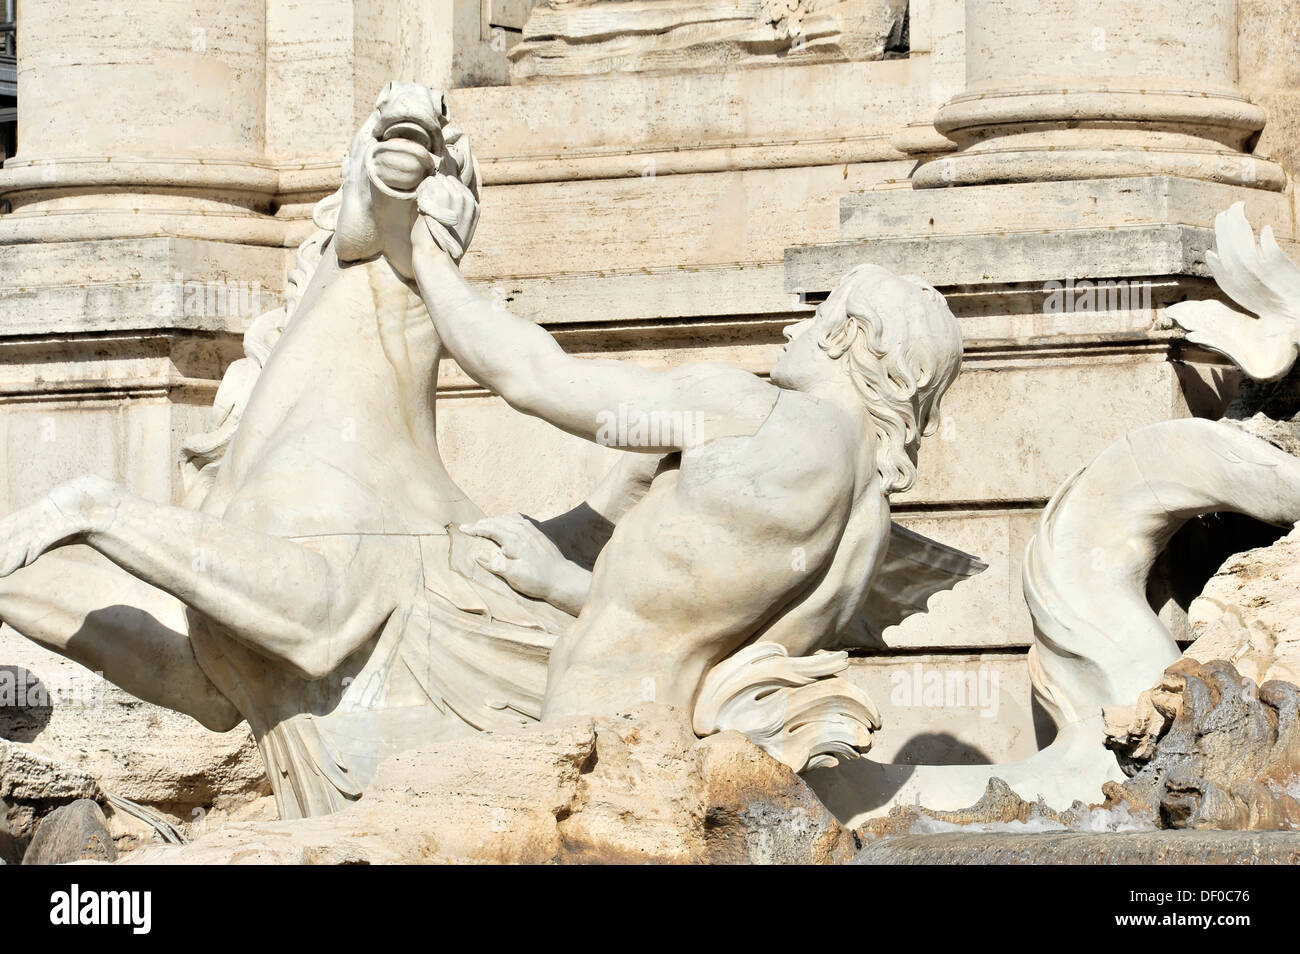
442, 237
438, 203
499, 532
487, 528
449, 211
496, 562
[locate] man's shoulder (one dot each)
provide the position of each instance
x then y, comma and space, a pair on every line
721, 375
815, 439
730, 400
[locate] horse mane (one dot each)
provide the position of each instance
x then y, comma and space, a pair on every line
201, 453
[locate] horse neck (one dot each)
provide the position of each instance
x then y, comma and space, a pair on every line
336, 300
410, 345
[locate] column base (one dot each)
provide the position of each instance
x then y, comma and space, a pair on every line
1055, 135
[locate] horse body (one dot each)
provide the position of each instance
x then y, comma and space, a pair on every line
310, 586
337, 450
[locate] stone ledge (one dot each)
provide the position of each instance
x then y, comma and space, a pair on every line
689, 121
981, 258
131, 284
1038, 206
1083, 848
182, 365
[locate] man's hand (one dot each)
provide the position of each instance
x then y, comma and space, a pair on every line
527, 560
448, 216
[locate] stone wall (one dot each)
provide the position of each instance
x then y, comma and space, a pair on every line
660, 217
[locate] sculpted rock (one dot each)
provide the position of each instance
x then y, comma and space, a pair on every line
1205, 748
27, 777
999, 805
1208, 749
30, 787
1001, 810
1215, 744
1249, 613
626, 789
1269, 410
581, 37
75, 832
174, 765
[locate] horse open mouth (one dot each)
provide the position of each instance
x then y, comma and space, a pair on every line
406, 152
412, 132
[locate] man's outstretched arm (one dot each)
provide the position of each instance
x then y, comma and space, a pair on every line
526, 366
584, 396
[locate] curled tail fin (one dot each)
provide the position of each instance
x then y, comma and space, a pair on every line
798, 709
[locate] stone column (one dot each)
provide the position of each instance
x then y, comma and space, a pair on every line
1269, 72
141, 120
326, 62
1058, 90
936, 45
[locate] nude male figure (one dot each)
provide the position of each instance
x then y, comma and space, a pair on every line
766, 520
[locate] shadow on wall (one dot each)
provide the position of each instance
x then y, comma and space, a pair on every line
939, 748
861, 785
1193, 555
25, 704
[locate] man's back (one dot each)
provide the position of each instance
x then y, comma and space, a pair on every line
748, 526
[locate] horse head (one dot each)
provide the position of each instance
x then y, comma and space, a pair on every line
406, 140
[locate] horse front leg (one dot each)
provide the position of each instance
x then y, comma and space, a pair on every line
84, 608
306, 608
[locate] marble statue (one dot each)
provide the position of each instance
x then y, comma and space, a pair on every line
1097, 641
1263, 281
764, 521
318, 584
292, 591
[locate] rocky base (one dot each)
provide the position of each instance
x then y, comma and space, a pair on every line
1249, 613
639, 788
1207, 748
55, 711
74, 832
31, 787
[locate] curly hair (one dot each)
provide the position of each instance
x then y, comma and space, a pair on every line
901, 364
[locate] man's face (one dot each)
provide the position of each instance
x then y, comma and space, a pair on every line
802, 362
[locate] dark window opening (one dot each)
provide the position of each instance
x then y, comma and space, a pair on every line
8, 80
